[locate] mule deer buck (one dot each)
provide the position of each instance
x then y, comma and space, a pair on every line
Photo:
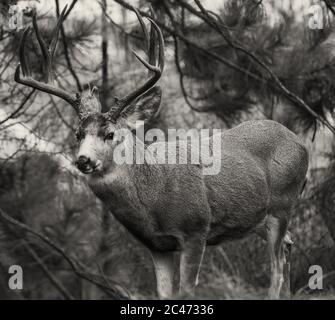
171, 207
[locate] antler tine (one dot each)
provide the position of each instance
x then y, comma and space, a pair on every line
22, 55
151, 50
144, 28
48, 51
40, 40
155, 70
161, 45
30, 82
45, 87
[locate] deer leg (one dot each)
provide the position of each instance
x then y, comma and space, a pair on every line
287, 246
164, 270
276, 229
190, 261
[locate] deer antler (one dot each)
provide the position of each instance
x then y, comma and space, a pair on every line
48, 54
154, 69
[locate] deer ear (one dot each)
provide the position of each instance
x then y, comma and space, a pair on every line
145, 108
95, 91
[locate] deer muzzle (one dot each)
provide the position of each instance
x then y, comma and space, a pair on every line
85, 165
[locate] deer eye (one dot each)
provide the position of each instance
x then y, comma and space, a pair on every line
109, 136
79, 135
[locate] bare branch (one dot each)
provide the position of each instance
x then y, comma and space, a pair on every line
78, 268
21, 106
66, 50
56, 283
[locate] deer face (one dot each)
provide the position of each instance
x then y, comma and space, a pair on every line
95, 137
99, 133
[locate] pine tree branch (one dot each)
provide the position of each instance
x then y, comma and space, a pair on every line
276, 85
286, 92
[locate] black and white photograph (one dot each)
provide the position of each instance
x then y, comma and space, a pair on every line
158, 151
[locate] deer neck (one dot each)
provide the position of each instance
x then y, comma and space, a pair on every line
121, 178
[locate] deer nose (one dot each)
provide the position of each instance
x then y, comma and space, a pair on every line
82, 162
